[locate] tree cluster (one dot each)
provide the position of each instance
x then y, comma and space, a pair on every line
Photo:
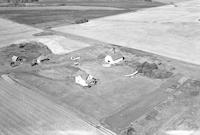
21, 1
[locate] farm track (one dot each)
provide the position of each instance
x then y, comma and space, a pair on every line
24, 112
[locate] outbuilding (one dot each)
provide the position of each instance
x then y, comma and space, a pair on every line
17, 60
84, 79
114, 58
40, 59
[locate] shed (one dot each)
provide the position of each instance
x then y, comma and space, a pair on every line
82, 78
40, 59
114, 58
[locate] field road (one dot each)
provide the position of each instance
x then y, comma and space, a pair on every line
23, 112
172, 31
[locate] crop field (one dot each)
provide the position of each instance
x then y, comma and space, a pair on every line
125, 4
171, 31
11, 31
56, 13
25, 112
52, 18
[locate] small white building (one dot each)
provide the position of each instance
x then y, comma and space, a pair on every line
113, 58
18, 58
40, 59
14, 58
82, 78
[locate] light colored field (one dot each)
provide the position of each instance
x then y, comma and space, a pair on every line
172, 31
125, 4
24, 112
11, 32
57, 44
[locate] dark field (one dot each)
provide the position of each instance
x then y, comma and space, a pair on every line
46, 18
126, 4
53, 16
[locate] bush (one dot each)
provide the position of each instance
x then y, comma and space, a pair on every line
148, 0
83, 20
151, 70
21, 1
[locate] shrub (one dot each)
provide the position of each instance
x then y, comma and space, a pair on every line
83, 20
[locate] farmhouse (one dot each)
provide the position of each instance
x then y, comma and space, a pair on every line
113, 58
17, 60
